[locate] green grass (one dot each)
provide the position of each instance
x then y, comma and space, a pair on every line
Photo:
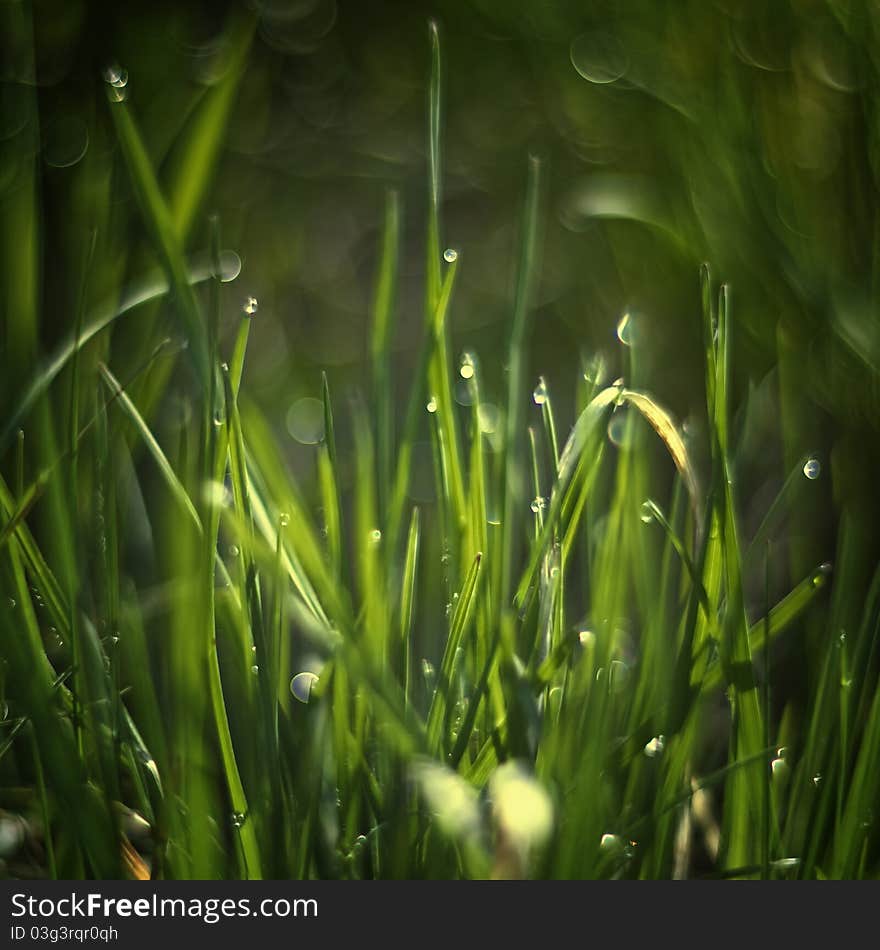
554, 669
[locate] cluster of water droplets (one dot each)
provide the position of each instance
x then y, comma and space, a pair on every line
117, 82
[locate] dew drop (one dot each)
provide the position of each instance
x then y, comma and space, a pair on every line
428, 671
238, 819
625, 330
812, 469
301, 685
12, 602
431, 405
218, 420
450, 255
284, 519
821, 575
539, 503
233, 550
357, 847
646, 513
375, 536
540, 393
251, 306
466, 370
817, 779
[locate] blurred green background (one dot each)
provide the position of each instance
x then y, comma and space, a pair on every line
742, 133
739, 133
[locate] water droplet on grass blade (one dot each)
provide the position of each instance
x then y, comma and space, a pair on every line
821, 575
779, 769
116, 76
238, 818
251, 305
812, 469
450, 255
646, 513
431, 405
117, 82
540, 393
284, 519
538, 504
301, 685
466, 370
375, 536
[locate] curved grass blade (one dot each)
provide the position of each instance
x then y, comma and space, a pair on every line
161, 460
148, 290
665, 427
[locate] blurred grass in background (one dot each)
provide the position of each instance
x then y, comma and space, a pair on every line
580, 165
